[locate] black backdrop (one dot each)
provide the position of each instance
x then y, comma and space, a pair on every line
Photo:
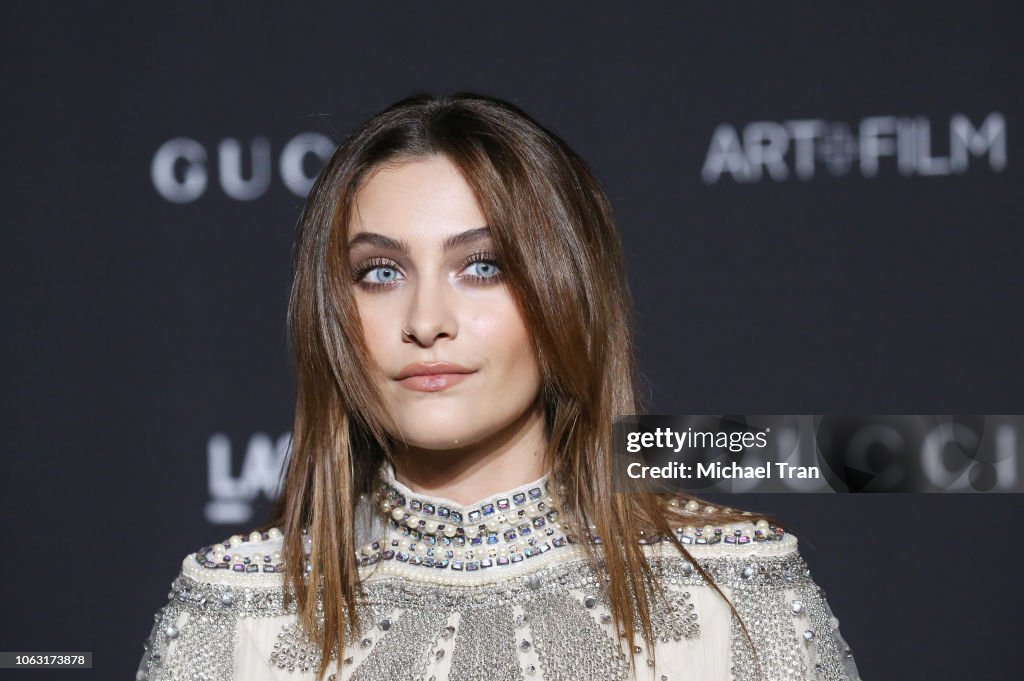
820, 205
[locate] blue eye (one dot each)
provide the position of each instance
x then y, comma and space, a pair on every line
376, 274
486, 269
380, 273
386, 275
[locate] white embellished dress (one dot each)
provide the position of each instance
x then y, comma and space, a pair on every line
496, 590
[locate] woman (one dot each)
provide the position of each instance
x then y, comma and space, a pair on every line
460, 328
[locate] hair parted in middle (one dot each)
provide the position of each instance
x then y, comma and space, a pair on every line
557, 243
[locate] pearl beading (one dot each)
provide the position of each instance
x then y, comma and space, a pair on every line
439, 541
414, 605
502, 532
560, 612
436, 533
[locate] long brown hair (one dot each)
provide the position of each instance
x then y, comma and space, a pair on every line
556, 240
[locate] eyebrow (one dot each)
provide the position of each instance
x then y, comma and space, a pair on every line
452, 242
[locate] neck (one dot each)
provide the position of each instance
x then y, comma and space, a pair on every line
510, 458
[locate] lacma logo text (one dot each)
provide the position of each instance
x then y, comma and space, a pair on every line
261, 464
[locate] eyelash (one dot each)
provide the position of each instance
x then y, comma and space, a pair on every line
479, 256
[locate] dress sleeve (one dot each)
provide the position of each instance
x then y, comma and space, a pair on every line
829, 656
192, 636
787, 615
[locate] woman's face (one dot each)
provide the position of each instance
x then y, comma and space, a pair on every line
422, 259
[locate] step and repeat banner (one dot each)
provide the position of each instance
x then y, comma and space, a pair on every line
821, 213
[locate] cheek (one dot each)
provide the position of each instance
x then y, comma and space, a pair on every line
502, 332
375, 327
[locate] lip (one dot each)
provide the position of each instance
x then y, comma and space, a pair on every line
432, 368
432, 376
431, 383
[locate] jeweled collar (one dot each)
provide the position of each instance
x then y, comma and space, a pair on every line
455, 515
437, 540
500, 531
504, 535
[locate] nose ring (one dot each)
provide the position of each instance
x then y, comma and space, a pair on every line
404, 332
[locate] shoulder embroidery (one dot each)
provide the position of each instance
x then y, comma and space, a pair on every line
554, 617
253, 559
193, 635
760, 586
781, 544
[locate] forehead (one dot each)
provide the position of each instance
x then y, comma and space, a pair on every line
422, 199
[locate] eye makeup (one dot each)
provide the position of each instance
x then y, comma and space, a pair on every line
359, 272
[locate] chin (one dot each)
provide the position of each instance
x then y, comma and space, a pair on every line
439, 438
440, 428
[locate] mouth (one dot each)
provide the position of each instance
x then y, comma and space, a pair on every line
431, 383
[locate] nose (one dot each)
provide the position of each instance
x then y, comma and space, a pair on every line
431, 315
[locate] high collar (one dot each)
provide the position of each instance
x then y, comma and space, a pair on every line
487, 507
421, 534
519, 531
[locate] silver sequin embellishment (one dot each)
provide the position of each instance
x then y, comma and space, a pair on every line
569, 639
